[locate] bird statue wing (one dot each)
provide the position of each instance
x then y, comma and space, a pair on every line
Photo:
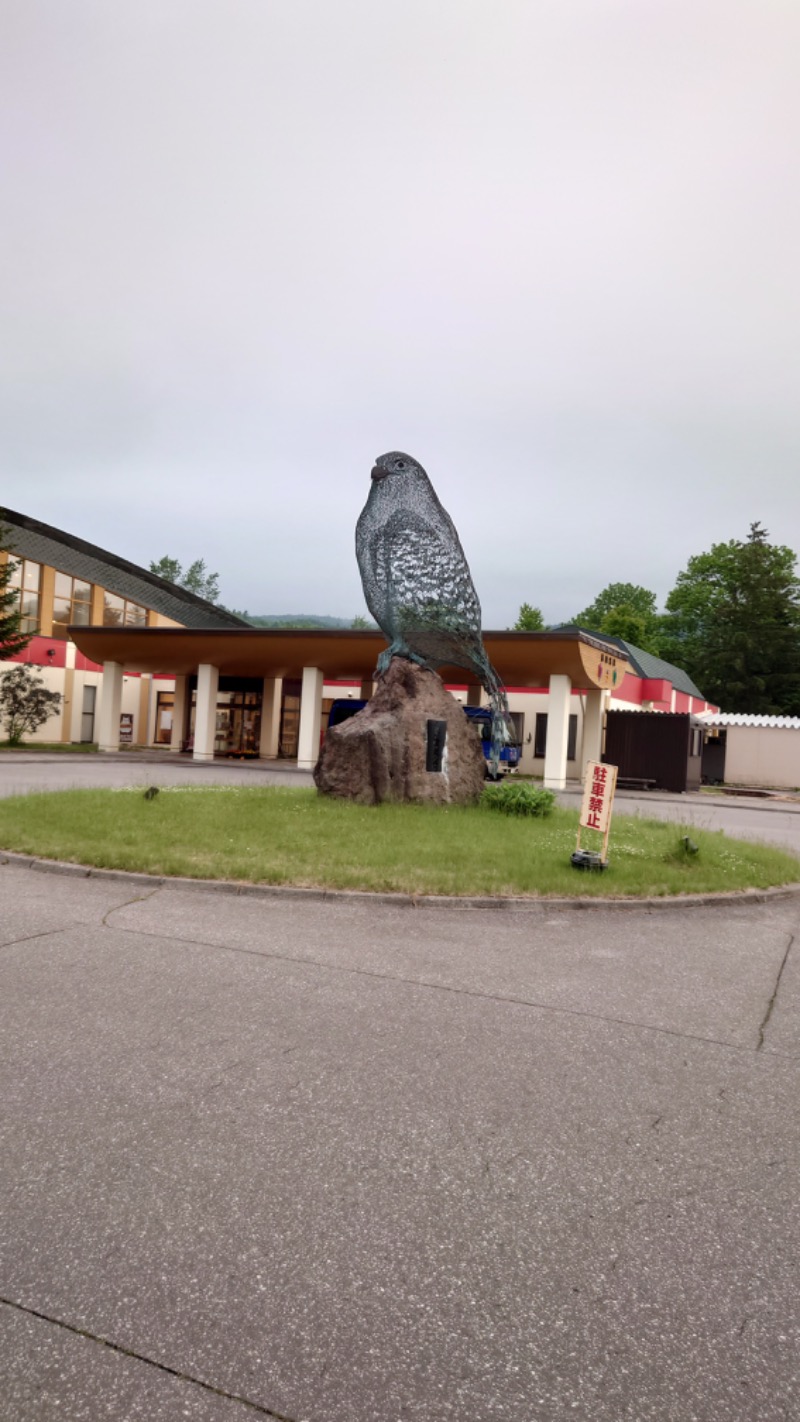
422, 566
428, 598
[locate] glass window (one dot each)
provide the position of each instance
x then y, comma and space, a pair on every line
113, 610
135, 616
72, 603
81, 603
27, 576
165, 710
117, 612
572, 737
540, 736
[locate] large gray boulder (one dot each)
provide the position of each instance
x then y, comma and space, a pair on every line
383, 752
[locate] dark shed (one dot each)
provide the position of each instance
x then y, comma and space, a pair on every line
664, 747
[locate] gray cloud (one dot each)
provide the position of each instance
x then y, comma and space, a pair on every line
550, 248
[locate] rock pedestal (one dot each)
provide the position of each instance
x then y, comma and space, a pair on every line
383, 753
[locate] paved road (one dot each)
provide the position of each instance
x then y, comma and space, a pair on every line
331, 1162
23, 774
774, 821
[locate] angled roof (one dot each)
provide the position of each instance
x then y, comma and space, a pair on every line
43, 544
645, 664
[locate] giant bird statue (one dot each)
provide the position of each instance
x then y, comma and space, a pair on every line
417, 582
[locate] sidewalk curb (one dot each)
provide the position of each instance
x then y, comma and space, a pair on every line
422, 901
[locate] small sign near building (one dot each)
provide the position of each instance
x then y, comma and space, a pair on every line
598, 802
126, 729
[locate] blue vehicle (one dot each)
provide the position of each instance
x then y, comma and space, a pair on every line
479, 716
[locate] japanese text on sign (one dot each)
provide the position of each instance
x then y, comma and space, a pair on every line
598, 796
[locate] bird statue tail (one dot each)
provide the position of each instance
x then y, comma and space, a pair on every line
502, 726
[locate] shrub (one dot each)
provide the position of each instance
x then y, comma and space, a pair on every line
518, 797
25, 702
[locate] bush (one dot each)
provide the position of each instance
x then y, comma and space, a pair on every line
518, 797
25, 702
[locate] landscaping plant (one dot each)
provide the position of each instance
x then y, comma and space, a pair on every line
25, 703
518, 797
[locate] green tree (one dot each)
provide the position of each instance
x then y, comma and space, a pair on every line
625, 610
633, 595
362, 623
733, 622
529, 619
168, 568
12, 640
25, 702
196, 579
625, 622
199, 581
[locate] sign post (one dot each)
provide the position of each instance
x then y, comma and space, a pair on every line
598, 802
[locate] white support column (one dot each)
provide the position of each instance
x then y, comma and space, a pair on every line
474, 695
110, 703
205, 715
177, 733
310, 718
271, 698
555, 758
593, 727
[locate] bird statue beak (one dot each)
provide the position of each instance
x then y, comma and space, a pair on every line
378, 473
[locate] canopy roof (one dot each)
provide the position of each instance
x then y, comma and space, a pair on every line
521, 658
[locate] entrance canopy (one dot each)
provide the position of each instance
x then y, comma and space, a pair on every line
521, 658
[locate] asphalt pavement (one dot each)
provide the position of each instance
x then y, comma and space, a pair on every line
333, 1161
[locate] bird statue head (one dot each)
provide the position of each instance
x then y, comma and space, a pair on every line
398, 467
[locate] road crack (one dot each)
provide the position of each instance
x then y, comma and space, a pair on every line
151, 1362
45, 933
762, 1030
137, 899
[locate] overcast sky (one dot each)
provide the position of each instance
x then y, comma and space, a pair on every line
551, 248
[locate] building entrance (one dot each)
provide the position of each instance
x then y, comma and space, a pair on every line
238, 724
238, 717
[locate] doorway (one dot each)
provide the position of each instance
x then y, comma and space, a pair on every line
87, 715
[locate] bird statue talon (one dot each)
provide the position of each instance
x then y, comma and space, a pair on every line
385, 657
398, 648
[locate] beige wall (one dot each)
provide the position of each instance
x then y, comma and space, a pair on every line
763, 755
157, 619
65, 724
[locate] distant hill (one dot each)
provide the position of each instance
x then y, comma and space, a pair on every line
300, 619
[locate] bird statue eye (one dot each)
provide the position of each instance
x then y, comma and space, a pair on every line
399, 464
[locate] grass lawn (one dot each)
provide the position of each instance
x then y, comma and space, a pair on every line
61, 747
282, 836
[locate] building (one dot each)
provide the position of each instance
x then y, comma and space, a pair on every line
66, 582
141, 662
752, 750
